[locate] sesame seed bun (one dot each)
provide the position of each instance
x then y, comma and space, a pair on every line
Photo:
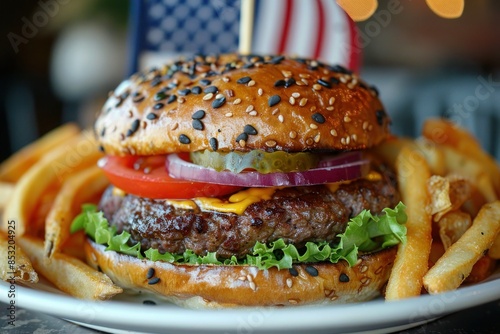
231, 102
213, 286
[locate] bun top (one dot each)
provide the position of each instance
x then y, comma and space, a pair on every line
240, 103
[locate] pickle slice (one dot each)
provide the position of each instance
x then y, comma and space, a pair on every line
263, 162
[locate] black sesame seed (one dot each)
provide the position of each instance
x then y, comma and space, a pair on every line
196, 90
218, 102
343, 278
150, 273
151, 116
312, 271
154, 281
158, 106
197, 124
273, 100
214, 144
172, 85
133, 127
103, 132
244, 80
184, 139
293, 272
249, 130
317, 117
149, 302
289, 82
280, 83
242, 136
276, 59
171, 99
248, 65
324, 83
198, 114
160, 96
210, 89
340, 69
124, 95
119, 102
211, 73
184, 92
205, 82
101, 148
156, 81
381, 115
334, 81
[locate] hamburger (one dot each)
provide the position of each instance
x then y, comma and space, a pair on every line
245, 181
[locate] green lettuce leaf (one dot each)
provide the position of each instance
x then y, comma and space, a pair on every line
364, 233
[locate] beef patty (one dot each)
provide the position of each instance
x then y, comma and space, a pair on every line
298, 215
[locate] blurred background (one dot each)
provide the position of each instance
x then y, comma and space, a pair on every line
60, 58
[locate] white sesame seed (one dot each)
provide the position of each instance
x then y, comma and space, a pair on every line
343, 79
242, 278
237, 101
280, 118
271, 143
229, 114
174, 126
275, 111
293, 301
313, 109
334, 298
291, 100
225, 79
181, 100
347, 119
208, 96
329, 108
249, 108
286, 74
253, 113
253, 286
342, 141
317, 87
350, 85
292, 134
249, 277
354, 137
363, 269
304, 75
304, 81
296, 94
302, 102
365, 125
260, 92
289, 282
219, 96
331, 101
333, 132
313, 126
251, 83
242, 143
317, 138
347, 140
299, 83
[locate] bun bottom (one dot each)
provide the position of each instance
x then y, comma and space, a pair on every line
214, 286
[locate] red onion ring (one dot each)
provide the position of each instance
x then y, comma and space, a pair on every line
345, 171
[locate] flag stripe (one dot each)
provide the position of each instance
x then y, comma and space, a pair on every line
320, 42
286, 26
354, 55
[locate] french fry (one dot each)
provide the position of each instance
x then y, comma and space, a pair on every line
78, 189
14, 167
447, 194
446, 133
457, 262
14, 264
69, 274
494, 251
6, 190
412, 258
78, 154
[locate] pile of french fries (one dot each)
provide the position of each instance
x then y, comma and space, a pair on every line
448, 183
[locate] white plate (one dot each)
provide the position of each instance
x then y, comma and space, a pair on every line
128, 314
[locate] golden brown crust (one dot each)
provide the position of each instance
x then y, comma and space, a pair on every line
226, 286
292, 105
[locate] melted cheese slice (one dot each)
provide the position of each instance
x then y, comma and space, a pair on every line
238, 202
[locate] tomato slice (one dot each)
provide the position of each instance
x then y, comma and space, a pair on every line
148, 177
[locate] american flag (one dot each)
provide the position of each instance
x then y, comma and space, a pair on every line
164, 29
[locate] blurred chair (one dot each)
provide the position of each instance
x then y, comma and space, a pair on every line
165, 29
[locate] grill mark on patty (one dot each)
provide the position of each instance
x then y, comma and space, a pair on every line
298, 215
